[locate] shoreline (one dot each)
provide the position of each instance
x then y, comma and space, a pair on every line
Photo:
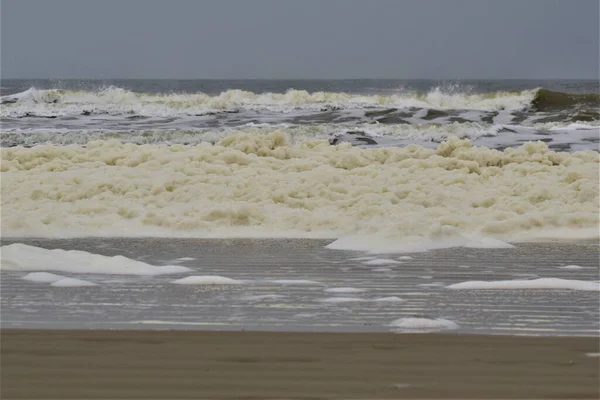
218, 365
172, 326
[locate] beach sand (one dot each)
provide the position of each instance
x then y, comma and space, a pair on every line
268, 365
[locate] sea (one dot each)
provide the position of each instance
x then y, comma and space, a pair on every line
377, 205
496, 114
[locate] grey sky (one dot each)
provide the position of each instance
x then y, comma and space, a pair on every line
300, 38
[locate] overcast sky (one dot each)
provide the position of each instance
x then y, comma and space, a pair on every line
300, 39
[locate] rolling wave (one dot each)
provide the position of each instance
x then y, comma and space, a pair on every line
547, 100
115, 100
496, 119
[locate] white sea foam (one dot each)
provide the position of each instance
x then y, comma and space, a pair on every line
541, 283
345, 290
22, 257
368, 258
526, 275
71, 282
412, 323
405, 258
380, 200
390, 299
381, 261
574, 126
572, 267
206, 280
380, 244
42, 277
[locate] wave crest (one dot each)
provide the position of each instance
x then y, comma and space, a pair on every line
117, 100
547, 100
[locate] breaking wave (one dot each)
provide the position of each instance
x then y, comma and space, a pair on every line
114, 100
547, 100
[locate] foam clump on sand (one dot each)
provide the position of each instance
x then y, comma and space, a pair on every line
541, 283
206, 280
387, 199
42, 277
71, 282
414, 323
22, 257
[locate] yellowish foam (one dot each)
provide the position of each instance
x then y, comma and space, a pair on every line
260, 185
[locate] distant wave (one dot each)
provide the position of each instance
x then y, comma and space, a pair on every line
117, 109
115, 100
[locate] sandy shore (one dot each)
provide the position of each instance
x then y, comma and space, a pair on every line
258, 365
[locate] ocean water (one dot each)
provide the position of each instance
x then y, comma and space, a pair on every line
496, 114
355, 181
382, 166
297, 285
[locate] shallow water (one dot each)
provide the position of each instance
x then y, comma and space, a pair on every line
285, 283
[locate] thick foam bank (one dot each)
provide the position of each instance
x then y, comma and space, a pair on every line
388, 199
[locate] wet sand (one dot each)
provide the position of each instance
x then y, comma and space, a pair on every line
268, 365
